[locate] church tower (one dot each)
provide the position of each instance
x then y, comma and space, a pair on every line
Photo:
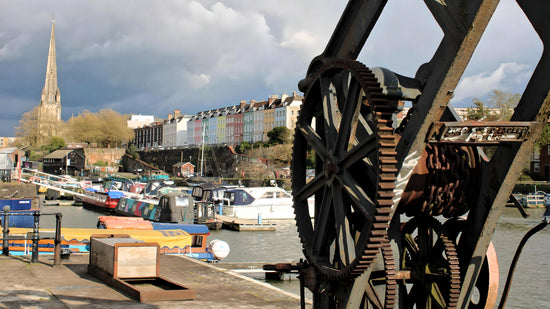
49, 109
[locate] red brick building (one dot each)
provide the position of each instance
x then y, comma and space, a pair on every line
183, 169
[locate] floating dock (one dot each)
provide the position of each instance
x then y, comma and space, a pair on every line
69, 285
237, 224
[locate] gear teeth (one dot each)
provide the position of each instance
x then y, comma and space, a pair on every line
452, 272
382, 109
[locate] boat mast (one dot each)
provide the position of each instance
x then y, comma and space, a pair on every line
202, 151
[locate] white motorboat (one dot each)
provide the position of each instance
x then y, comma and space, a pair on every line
259, 203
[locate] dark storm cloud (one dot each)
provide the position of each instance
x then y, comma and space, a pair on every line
151, 57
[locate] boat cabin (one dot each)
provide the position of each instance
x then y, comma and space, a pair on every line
208, 192
238, 197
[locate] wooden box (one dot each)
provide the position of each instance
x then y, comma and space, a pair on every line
125, 257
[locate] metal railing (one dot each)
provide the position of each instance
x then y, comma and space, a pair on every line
53, 182
35, 233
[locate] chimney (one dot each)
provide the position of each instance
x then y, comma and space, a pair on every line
283, 97
170, 116
177, 113
243, 103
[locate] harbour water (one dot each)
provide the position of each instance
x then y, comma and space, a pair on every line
529, 287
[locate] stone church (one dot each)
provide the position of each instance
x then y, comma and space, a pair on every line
49, 109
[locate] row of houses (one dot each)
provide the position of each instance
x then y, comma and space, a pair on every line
246, 122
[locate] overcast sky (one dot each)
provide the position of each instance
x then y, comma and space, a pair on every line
151, 57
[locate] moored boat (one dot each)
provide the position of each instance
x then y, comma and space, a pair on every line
214, 251
270, 203
102, 200
78, 240
174, 207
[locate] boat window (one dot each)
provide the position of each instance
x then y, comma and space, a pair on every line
207, 195
283, 195
230, 196
197, 192
197, 241
239, 197
268, 194
246, 198
182, 201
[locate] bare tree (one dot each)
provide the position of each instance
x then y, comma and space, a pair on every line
27, 130
505, 102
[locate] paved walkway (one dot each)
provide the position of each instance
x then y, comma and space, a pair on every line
40, 285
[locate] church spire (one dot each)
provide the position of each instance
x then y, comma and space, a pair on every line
50, 91
49, 109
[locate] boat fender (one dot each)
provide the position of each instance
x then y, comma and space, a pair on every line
219, 248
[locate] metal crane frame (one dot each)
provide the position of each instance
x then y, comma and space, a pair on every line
463, 23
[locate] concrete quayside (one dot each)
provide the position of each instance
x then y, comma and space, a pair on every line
69, 285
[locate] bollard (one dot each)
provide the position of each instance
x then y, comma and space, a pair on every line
57, 241
6, 232
34, 258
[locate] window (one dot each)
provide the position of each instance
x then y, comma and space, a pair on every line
283, 195
198, 241
267, 195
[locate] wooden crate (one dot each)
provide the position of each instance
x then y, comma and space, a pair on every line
131, 266
125, 257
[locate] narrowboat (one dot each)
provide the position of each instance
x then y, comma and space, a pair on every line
199, 249
171, 241
173, 207
102, 200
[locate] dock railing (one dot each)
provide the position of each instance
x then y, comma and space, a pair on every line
53, 182
35, 235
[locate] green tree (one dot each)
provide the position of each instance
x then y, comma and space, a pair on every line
279, 135
243, 147
259, 145
56, 142
310, 159
544, 138
477, 111
132, 151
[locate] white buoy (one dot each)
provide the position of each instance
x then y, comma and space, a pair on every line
219, 248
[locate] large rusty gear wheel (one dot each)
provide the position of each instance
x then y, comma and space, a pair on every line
346, 123
486, 289
430, 260
382, 288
